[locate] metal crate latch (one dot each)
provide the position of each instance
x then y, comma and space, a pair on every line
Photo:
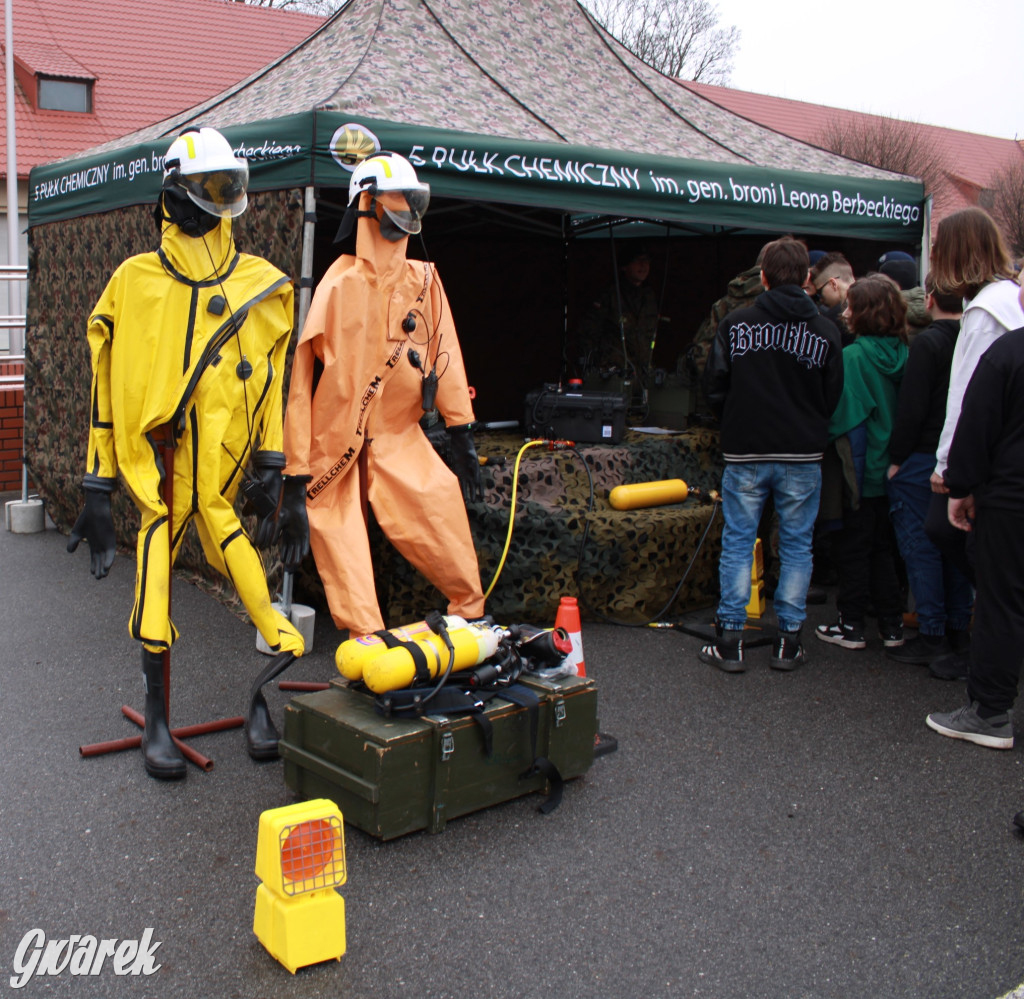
447, 746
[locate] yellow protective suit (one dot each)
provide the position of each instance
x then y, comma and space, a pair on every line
358, 434
161, 355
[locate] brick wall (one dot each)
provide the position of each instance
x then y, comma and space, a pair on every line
11, 428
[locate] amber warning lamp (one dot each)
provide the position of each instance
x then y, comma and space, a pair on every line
300, 861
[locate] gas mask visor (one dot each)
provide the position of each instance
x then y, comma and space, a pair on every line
219, 192
406, 208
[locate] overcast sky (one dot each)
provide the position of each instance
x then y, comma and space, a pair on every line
958, 64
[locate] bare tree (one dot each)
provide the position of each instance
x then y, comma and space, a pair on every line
1006, 191
887, 143
679, 38
324, 7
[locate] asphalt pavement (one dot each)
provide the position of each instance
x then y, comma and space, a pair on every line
759, 835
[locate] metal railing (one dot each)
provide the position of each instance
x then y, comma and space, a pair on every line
14, 324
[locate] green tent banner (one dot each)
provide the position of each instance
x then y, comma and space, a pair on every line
322, 148
279, 154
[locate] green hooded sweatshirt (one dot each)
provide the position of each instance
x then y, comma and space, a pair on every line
872, 371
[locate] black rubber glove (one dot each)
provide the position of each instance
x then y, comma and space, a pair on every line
264, 493
465, 463
96, 525
293, 521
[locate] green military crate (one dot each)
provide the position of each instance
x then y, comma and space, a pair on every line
391, 776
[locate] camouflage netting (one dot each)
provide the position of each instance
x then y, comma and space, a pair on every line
71, 263
631, 562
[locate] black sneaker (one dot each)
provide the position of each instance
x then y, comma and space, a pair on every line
726, 652
923, 650
847, 634
965, 723
890, 631
954, 666
787, 652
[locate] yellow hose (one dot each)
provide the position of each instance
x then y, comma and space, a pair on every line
511, 513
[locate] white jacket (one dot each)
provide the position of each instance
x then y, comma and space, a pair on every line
987, 316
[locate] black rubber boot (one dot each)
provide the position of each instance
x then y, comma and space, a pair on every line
161, 756
260, 734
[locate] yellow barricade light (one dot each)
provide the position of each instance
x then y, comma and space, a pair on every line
300, 861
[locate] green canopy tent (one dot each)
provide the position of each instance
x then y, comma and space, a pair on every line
319, 149
531, 124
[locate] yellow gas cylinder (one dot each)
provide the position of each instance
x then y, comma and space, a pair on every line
638, 494
756, 606
353, 654
395, 668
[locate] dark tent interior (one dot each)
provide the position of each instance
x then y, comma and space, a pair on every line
520, 279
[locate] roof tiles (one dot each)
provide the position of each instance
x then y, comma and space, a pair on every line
150, 59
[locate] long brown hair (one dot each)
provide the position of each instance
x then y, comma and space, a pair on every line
969, 252
877, 308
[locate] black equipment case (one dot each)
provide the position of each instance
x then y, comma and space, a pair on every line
581, 416
393, 776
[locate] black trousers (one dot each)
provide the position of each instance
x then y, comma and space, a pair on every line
863, 553
953, 544
997, 640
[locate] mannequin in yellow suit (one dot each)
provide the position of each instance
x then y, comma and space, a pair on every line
381, 328
188, 345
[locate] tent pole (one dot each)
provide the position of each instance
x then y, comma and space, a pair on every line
564, 375
306, 277
926, 239
305, 294
16, 344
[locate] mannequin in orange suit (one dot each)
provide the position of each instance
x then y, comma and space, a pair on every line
377, 324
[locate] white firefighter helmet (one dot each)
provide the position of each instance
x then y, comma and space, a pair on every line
201, 162
391, 179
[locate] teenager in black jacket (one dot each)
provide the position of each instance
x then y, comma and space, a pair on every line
985, 476
773, 377
942, 593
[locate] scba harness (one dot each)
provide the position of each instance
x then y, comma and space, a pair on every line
469, 692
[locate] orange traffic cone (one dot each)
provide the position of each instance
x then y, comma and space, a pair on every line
568, 617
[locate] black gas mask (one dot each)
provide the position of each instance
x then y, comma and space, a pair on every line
177, 207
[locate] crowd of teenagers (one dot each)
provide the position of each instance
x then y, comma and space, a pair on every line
885, 422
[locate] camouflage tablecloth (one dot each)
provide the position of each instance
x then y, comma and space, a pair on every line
623, 565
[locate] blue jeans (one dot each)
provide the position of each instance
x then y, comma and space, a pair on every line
942, 594
795, 488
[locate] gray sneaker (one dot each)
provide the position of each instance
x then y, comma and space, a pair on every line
966, 723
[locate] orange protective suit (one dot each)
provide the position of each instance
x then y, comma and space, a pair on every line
358, 433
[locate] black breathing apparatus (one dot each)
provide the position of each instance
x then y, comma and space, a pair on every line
176, 207
429, 378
